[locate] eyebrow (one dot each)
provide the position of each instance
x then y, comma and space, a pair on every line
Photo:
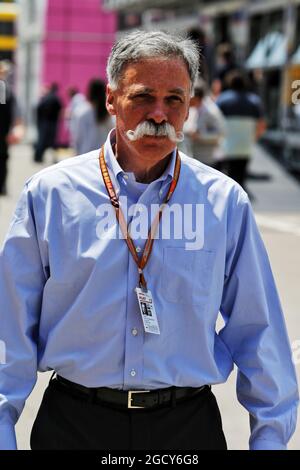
179, 91
141, 89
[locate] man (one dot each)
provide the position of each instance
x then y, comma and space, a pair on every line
244, 125
48, 112
11, 124
71, 285
225, 64
204, 128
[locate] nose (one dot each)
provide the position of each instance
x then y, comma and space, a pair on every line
157, 113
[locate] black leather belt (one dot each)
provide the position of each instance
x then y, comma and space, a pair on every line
131, 399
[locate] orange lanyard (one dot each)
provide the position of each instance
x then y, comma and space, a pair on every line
140, 262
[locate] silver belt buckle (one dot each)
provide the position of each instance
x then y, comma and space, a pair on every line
130, 392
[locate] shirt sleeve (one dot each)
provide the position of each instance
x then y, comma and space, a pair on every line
17, 112
256, 335
21, 284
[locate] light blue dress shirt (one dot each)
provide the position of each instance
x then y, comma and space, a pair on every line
68, 301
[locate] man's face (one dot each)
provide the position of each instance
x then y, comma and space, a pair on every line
155, 90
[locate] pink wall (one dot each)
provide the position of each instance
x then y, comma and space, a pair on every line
78, 39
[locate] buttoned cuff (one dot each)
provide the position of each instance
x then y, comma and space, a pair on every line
264, 444
7, 437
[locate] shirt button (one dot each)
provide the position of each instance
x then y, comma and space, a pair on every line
161, 193
138, 249
134, 331
126, 177
133, 373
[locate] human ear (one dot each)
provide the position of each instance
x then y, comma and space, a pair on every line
110, 101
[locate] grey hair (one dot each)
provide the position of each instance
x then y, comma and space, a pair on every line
141, 44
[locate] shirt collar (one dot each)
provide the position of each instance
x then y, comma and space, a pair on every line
113, 164
111, 161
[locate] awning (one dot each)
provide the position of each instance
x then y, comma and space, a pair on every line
270, 51
279, 55
141, 5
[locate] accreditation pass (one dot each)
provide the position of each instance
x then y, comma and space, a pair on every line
147, 310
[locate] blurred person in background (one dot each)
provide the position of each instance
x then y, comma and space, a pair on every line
225, 63
11, 124
245, 123
91, 122
204, 128
206, 55
76, 99
47, 117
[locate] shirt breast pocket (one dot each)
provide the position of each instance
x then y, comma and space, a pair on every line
186, 275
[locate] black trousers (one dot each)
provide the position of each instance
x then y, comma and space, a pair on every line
3, 166
68, 423
47, 131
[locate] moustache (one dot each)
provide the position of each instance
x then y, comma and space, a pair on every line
158, 130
